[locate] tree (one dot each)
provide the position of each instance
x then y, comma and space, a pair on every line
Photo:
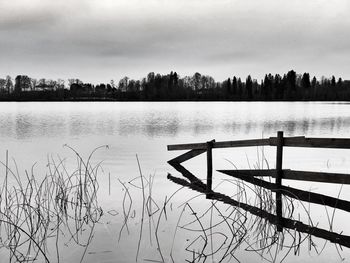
267, 86
131, 86
9, 84
314, 82
2, 85
123, 84
74, 81
291, 79
150, 77
196, 81
175, 78
305, 81
240, 88
234, 86
340, 82
228, 88
109, 87
33, 83
112, 84
333, 81
23, 83
278, 88
290, 85
60, 84
51, 84
249, 87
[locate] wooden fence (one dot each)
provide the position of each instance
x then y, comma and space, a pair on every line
279, 173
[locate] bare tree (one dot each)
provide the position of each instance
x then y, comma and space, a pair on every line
74, 81
60, 84
34, 82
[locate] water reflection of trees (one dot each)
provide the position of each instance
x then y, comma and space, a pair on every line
172, 126
163, 122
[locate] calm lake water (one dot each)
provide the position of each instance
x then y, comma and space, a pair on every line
37, 132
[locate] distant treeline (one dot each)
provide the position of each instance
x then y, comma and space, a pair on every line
171, 87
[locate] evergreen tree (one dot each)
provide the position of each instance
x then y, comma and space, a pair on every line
249, 87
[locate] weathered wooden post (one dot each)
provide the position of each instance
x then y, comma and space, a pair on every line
279, 174
209, 167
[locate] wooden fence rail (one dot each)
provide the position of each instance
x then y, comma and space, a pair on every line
279, 173
300, 141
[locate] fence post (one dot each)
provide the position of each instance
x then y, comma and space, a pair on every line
209, 168
279, 174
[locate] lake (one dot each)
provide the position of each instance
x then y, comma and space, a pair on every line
137, 135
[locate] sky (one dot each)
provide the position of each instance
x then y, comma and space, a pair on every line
100, 40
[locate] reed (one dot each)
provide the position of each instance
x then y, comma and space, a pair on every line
36, 210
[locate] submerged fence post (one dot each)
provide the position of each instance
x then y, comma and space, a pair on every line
209, 168
279, 174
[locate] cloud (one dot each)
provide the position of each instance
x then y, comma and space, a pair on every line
37, 14
133, 36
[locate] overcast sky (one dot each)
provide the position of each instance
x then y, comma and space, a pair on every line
100, 40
